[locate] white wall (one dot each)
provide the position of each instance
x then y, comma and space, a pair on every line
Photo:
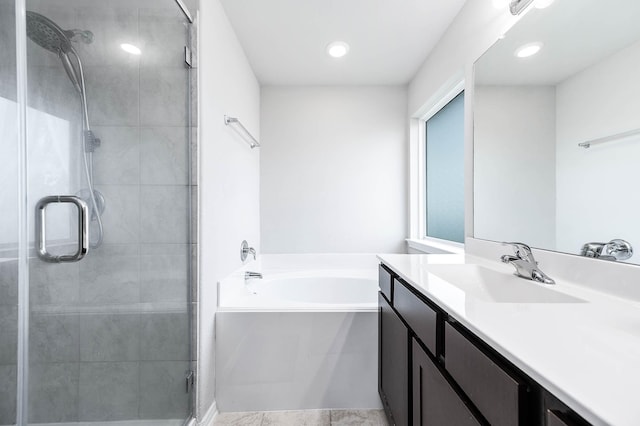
597, 195
514, 164
333, 171
229, 174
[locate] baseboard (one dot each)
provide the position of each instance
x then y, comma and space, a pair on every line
207, 419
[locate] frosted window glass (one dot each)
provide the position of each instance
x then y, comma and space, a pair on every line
445, 172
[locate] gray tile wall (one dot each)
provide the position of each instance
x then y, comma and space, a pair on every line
110, 335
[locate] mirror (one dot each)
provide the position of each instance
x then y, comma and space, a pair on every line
533, 182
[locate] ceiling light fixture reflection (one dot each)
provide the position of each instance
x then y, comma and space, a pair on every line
541, 4
337, 49
130, 48
529, 49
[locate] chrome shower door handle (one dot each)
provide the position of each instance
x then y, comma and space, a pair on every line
41, 231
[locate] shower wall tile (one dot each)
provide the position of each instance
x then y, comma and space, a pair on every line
193, 36
9, 335
165, 337
195, 202
162, 389
163, 97
8, 45
8, 82
110, 275
193, 98
54, 338
110, 337
194, 274
117, 160
164, 277
113, 93
54, 284
53, 392
8, 391
163, 38
164, 155
193, 312
165, 217
110, 27
51, 91
121, 218
109, 391
194, 156
8, 282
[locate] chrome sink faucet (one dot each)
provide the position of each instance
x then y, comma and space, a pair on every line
525, 264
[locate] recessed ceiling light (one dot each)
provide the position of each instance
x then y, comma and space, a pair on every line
337, 49
130, 48
529, 49
541, 4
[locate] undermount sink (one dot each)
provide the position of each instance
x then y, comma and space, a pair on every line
498, 287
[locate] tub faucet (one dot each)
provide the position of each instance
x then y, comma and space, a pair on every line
248, 275
245, 251
525, 264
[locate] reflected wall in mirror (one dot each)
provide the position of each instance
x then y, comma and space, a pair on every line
532, 180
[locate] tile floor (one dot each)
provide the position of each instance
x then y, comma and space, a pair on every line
303, 418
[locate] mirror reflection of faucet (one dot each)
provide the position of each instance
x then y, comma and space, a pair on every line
525, 264
614, 250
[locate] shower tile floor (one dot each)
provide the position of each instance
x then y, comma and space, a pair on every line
303, 418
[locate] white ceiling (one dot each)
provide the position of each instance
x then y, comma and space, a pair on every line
285, 40
575, 33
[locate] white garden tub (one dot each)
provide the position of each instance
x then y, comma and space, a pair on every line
302, 337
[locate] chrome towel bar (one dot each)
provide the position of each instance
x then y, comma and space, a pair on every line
611, 138
244, 132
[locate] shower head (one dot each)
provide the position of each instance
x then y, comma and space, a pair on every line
47, 34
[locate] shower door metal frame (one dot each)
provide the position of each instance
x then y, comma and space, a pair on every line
22, 403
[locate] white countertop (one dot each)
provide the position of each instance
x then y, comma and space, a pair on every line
586, 354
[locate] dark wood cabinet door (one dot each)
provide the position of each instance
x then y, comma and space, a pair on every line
492, 390
435, 403
394, 359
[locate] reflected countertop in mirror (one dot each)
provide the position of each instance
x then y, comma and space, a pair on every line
533, 181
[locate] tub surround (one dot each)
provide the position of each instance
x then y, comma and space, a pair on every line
584, 353
278, 353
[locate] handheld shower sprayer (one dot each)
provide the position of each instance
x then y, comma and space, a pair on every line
48, 35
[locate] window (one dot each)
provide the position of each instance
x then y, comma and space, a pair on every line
444, 172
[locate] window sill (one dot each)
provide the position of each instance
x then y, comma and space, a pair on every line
435, 246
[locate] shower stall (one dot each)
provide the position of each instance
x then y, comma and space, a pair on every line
97, 212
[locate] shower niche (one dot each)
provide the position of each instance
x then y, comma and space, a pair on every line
96, 104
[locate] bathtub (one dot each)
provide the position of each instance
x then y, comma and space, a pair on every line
302, 337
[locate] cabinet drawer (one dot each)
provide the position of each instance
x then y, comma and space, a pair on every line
384, 281
493, 391
421, 317
435, 403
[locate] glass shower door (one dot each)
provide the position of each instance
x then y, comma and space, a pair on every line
9, 172
108, 145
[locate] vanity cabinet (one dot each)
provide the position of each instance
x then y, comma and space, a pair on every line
433, 371
393, 376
